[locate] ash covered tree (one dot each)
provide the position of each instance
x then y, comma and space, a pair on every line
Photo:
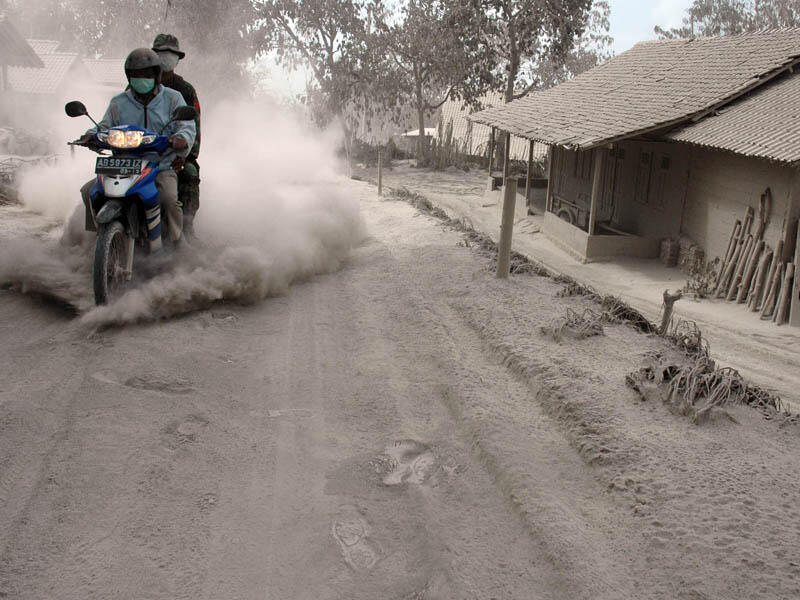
510, 41
727, 17
427, 57
336, 40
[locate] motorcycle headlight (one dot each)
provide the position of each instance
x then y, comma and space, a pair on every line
119, 138
103, 137
148, 139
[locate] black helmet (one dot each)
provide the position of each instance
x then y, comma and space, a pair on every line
143, 58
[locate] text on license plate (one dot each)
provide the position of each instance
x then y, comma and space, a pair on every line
110, 165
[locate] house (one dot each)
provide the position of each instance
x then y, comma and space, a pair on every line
14, 52
671, 138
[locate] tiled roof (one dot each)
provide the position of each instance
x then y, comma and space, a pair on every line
14, 50
651, 86
475, 139
44, 46
42, 81
764, 124
109, 71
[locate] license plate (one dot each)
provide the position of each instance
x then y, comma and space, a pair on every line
111, 165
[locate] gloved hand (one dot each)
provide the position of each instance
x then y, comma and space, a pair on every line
178, 163
178, 143
86, 138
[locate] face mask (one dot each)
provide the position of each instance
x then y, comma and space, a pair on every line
143, 85
169, 61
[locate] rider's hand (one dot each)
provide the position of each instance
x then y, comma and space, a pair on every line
86, 138
178, 142
178, 163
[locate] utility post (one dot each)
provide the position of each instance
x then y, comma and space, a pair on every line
380, 172
506, 229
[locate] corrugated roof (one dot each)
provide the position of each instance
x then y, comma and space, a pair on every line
653, 85
474, 139
42, 81
764, 124
14, 50
109, 71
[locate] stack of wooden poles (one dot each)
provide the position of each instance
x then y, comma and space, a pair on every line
754, 274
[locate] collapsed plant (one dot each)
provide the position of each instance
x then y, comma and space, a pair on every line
698, 387
576, 325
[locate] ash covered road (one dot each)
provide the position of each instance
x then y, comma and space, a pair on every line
398, 428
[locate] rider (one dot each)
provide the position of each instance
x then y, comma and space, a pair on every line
147, 103
168, 49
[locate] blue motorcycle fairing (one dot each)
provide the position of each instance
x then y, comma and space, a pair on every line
159, 145
147, 192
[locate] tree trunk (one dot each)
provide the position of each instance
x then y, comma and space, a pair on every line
420, 117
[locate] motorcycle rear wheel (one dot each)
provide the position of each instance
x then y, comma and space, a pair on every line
109, 262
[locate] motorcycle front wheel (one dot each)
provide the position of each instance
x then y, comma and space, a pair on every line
109, 262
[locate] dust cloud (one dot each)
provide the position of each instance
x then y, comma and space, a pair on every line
271, 214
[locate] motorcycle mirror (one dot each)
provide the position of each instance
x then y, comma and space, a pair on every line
76, 109
184, 113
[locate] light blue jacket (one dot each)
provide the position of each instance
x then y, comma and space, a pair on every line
125, 109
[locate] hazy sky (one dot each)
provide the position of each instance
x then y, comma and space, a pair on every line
633, 20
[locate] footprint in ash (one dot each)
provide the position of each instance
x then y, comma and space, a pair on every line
413, 462
351, 532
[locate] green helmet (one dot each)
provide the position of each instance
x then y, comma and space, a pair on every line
167, 41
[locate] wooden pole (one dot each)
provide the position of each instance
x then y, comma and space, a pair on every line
599, 159
754, 298
794, 305
740, 267
728, 253
380, 173
768, 306
491, 150
529, 176
744, 287
507, 158
669, 305
782, 312
549, 199
506, 229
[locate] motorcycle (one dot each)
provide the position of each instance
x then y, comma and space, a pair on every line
124, 198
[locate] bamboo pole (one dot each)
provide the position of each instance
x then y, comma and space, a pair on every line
737, 227
768, 283
768, 306
754, 298
794, 304
782, 312
506, 229
727, 277
744, 286
740, 267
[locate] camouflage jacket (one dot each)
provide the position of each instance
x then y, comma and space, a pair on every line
178, 83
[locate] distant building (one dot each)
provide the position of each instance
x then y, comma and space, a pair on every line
472, 138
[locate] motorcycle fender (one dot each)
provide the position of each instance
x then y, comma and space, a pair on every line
111, 211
